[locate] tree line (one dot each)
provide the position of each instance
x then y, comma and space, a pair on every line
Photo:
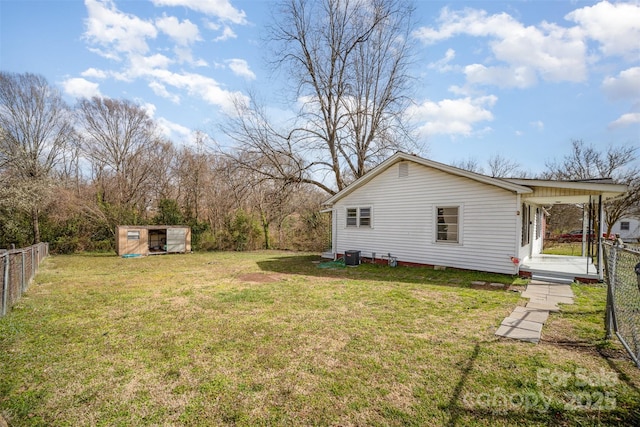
69, 175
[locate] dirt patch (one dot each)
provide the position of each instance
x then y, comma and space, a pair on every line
259, 277
487, 286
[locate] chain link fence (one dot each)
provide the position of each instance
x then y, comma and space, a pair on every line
622, 276
17, 269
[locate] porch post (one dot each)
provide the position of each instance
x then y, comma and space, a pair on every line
585, 226
600, 254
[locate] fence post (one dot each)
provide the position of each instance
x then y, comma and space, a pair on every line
612, 256
5, 284
24, 280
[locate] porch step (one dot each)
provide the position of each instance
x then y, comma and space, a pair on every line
565, 280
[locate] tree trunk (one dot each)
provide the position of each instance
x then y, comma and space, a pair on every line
265, 230
36, 225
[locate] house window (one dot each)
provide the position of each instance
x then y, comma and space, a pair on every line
133, 235
352, 217
526, 224
359, 217
447, 224
624, 226
365, 217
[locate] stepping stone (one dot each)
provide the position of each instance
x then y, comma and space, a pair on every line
530, 314
539, 282
561, 292
541, 299
543, 306
559, 300
518, 334
522, 324
533, 294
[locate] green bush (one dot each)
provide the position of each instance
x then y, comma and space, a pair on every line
64, 245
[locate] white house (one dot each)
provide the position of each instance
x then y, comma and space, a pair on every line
418, 211
628, 229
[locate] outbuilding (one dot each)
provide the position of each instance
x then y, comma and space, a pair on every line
143, 240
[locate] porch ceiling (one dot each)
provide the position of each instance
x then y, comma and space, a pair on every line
557, 192
556, 200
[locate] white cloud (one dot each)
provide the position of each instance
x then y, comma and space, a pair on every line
520, 77
174, 131
547, 51
452, 116
184, 33
227, 33
538, 124
144, 65
219, 8
625, 86
240, 67
443, 65
625, 120
80, 88
615, 26
95, 73
115, 31
199, 86
161, 90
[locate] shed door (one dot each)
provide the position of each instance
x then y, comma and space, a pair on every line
176, 240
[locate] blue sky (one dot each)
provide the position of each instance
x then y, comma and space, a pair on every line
519, 79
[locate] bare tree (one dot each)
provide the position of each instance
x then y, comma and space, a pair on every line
348, 62
501, 167
471, 165
585, 162
36, 128
123, 146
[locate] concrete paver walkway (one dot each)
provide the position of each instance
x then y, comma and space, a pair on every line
525, 323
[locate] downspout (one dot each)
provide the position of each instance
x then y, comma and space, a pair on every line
518, 236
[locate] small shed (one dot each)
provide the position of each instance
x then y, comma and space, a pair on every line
142, 240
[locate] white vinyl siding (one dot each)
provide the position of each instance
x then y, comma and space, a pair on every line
405, 220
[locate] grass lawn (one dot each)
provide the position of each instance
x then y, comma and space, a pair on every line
268, 338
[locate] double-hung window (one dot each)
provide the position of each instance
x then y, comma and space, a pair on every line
447, 224
359, 217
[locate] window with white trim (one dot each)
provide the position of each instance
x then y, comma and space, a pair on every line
447, 224
359, 217
526, 224
133, 235
624, 225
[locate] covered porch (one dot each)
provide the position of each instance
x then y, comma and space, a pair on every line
591, 194
560, 268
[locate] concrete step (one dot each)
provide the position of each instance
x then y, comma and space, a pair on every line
564, 280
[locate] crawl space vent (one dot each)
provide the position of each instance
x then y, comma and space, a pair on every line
403, 170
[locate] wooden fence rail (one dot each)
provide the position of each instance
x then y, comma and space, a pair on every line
18, 267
